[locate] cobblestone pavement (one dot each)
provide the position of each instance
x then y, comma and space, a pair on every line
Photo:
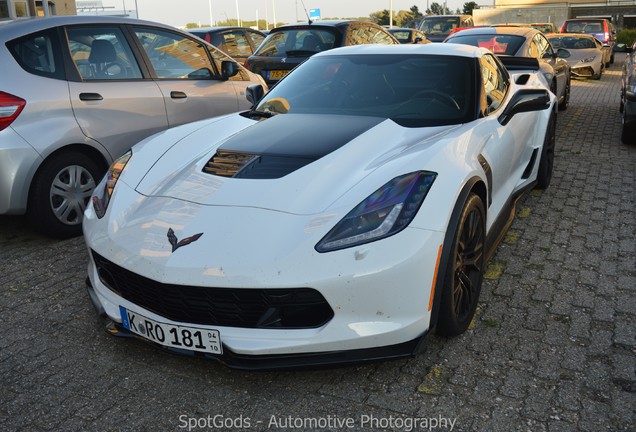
553, 347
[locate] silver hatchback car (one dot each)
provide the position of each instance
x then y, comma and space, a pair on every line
77, 92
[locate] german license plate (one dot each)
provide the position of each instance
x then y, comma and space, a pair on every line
189, 338
277, 74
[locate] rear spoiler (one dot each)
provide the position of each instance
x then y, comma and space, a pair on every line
519, 63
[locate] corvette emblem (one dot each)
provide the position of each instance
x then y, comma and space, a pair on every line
176, 243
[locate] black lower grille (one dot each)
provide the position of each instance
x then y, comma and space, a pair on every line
284, 308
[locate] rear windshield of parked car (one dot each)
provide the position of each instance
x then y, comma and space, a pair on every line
301, 42
589, 26
497, 43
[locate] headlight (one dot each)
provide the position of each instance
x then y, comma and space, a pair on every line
588, 59
104, 190
385, 212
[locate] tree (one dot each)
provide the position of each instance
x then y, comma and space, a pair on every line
469, 6
411, 18
380, 17
435, 9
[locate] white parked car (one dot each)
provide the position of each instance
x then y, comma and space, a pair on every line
586, 53
349, 213
77, 92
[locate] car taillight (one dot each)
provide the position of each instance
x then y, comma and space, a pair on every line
606, 32
10, 108
607, 38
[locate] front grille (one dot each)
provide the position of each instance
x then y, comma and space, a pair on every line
284, 308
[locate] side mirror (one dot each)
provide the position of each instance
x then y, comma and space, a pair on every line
563, 53
418, 40
525, 100
254, 93
228, 69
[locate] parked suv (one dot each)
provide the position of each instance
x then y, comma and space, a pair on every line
439, 27
77, 92
601, 28
287, 46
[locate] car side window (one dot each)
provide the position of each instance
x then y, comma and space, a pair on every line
257, 38
543, 46
102, 53
236, 43
174, 56
494, 83
39, 54
361, 34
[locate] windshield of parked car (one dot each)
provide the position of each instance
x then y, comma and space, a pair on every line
300, 42
412, 90
497, 43
432, 26
572, 42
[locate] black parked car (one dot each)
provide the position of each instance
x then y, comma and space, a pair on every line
238, 42
409, 35
287, 46
628, 97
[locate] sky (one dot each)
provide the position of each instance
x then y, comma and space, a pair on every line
180, 12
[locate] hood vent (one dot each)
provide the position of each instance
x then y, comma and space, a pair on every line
226, 163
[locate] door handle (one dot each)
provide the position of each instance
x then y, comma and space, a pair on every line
90, 97
178, 95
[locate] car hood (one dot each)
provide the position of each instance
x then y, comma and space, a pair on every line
294, 163
580, 54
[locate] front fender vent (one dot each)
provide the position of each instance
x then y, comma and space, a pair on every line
228, 163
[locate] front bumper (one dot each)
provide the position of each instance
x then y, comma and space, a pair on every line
379, 292
273, 361
587, 71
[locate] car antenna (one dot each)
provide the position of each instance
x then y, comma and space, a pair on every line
305, 9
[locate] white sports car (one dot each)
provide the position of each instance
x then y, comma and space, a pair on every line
344, 217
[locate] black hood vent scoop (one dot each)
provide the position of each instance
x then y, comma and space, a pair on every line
277, 146
227, 163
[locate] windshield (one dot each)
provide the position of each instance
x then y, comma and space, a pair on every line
301, 42
497, 43
413, 90
438, 25
572, 42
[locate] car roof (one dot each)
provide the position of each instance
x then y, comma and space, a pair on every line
24, 26
220, 28
401, 29
573, 35
449, 49
326, 23
519, 31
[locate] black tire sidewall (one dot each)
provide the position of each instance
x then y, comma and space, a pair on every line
448, 323
39, 211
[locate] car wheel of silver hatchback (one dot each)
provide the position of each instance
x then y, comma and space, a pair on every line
60, 192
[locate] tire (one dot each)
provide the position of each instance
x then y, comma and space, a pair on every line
599, 75
612, 58
59, 193
546, 163
464, 273
566, 96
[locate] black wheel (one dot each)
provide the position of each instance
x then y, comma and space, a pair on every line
464, 274
599, 75
612, 59
59, 194
563, 105
546, 163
